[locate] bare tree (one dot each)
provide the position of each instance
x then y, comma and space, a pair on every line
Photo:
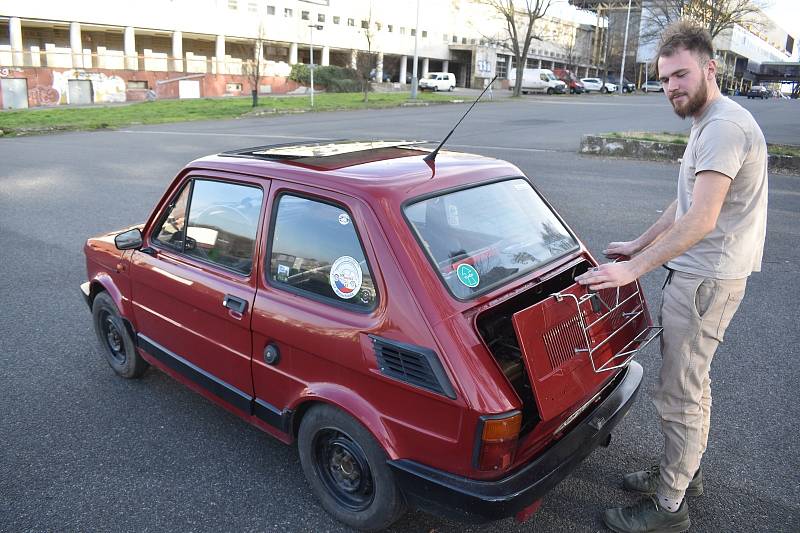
715, 15
251, 68
367, 61
519, 18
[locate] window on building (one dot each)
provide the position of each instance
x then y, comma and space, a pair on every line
365, 24
287, 12
377, 26
455, 39
444, 38
233, 87
351, 22
233, 4
252, 7
304, 15
473, 41
136, 84
270, 10
389, 28
424, 34
413, 32
463, 40
501, 68
336, 20
320, 17
531, 63
402, 30
316, 252
220, 227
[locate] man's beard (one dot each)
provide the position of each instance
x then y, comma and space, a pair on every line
695, 103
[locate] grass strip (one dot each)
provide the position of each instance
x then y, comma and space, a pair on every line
31, 121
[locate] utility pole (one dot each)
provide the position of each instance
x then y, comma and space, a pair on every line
624, 51
414, 67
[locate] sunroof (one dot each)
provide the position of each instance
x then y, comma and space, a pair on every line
315, 150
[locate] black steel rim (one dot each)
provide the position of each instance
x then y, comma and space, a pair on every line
343, 468
113, 338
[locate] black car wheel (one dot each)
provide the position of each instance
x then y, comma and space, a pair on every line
549, 90
118, 346
604, 89
347, 470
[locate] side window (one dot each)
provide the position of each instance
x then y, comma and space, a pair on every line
221, 224
316, 249
543, 77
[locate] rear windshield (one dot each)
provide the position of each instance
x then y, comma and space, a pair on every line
482, 237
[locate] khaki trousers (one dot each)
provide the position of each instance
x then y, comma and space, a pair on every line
695, 311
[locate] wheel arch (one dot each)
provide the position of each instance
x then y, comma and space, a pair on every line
104, 283
350, 403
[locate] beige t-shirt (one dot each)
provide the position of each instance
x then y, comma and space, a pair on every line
727, 139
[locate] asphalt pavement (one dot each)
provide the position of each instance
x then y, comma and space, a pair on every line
83, 450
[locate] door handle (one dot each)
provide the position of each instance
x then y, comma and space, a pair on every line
237, 305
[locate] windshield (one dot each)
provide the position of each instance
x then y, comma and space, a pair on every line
429, 76
550, 76
483, 237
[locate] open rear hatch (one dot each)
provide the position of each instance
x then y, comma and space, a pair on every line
572, 340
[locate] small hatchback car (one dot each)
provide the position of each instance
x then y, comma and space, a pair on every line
415, 327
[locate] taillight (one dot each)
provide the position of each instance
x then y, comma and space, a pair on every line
497, 440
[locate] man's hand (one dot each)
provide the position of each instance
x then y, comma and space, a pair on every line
618, 249
609, 275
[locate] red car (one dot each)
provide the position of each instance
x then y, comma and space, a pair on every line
414, 327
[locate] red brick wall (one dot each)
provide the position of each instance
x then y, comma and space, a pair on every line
42, 93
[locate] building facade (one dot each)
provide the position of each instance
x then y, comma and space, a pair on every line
57, 53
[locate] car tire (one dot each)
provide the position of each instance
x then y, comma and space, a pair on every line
549, 90
603, 90
347, 470
452, 88
115, 339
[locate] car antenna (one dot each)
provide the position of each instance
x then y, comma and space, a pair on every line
431, 157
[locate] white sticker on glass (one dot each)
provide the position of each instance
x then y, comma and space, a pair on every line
344, 219
345, 277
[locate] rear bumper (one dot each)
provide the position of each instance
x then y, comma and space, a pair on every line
482, 501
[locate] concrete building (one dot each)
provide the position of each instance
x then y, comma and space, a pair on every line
56, 53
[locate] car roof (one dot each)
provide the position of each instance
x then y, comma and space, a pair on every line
394, 169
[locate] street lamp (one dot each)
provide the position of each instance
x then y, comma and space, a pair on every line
624, 51
414, 67
313, 27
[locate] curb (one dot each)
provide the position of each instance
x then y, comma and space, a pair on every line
663, 151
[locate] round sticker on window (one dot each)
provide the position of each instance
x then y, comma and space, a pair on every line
468, 275
345, 277
344, 219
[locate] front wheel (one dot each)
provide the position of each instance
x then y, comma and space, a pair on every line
549, 90
604, 90
452, 87
347, 470
117, 343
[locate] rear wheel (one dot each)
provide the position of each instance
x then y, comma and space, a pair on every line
118, 346
452, 87
347, 470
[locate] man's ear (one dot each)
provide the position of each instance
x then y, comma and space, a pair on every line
712, 69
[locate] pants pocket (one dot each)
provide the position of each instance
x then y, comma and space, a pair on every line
704, 296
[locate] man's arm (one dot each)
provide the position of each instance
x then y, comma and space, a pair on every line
647, 238
709, 193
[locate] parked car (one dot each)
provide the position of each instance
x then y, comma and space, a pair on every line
627, 86
422, 340
758, 91
438, 81
596, 85
652, 86
575, 85
538, 80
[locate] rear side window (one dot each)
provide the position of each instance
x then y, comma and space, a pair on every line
221, 224
316, 250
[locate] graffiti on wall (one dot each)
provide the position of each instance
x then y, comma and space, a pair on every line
105, 88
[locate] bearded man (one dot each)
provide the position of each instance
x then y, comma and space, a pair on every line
711, 238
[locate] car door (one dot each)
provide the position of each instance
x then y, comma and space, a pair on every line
193, 285
318, 293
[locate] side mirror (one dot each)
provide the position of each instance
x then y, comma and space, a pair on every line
129, 240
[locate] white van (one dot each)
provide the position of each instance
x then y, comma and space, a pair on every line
438, 81
539, 80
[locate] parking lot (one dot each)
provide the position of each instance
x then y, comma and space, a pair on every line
85, 450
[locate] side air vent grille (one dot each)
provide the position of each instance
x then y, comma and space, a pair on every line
411, 364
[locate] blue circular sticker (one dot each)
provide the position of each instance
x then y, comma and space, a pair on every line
468, 275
